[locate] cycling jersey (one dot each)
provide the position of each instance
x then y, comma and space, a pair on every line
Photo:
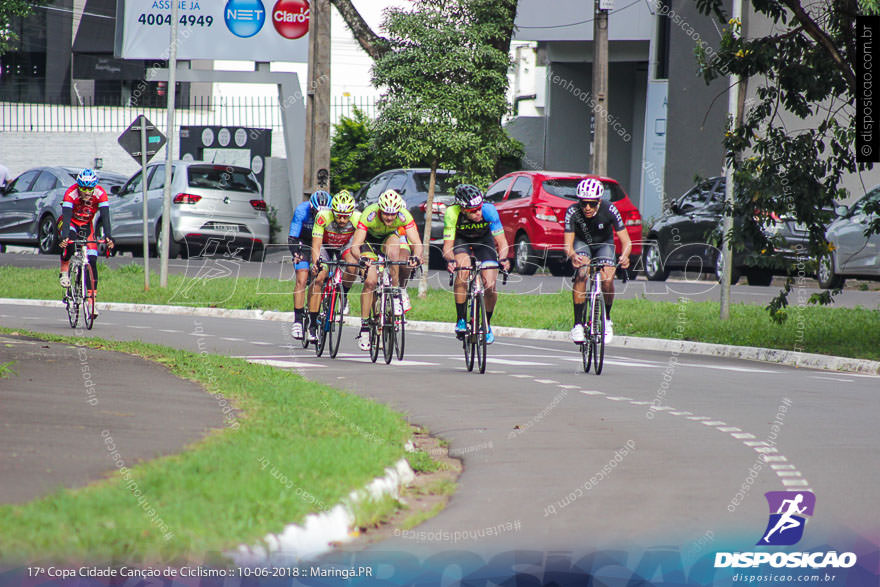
372, 223
302, 223
598, 229
83, 213
458, 226
334, 235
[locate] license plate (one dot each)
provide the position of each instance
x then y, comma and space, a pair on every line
226, 227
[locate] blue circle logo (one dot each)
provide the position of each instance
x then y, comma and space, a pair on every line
244, 18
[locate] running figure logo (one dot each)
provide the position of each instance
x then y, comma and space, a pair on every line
786, 525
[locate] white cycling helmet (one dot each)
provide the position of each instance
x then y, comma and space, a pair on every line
590, 189
390, 202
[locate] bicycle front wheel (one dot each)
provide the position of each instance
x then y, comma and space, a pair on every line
337, 306
470, 348
73, 297
388, 328
88, 303
374, 334
481, 331
587, 345
400, 330
323, 325
597, 332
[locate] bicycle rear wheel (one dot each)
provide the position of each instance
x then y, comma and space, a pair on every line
597, 332
388, 328
323, 325
587, 345
88, 302
482, 329
73, 297
336, 320
400, 328
470, 348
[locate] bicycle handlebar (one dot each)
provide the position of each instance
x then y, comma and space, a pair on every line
504, 273
596, 264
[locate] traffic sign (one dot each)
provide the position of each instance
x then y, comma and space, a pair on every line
130, 140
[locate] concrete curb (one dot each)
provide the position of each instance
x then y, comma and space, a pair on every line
781, 357
309, 541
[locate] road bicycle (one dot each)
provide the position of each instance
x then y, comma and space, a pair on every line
76, 298
593, 319
387, 326
474, 338
330, 314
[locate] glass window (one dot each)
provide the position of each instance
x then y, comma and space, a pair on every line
444, 182
23, 182
222, 177
133, 185
613, 192
47, 181
397, 183
157, 180
697, 197
496, 192
522, 188
375, 189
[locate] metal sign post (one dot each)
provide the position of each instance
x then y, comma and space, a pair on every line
142, 140
166, 196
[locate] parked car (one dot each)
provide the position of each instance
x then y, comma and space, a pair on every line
852, 253
215, 209
412, 184
532, 207
686, 237
31, 205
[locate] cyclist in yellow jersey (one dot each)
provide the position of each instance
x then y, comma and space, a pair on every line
377, 234
331, 235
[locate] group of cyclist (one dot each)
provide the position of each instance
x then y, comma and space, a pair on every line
326, 228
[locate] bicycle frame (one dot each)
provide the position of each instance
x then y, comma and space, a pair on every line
474, 338
385, 324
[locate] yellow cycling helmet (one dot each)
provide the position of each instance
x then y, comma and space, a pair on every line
343, 203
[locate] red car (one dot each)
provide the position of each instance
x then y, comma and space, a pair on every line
532, 207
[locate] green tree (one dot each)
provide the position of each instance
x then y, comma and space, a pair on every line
445, 76
352, 158
10, 11
803, 69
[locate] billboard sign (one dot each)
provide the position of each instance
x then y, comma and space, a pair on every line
251, 30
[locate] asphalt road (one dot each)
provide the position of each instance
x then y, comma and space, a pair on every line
676, 286
538, 436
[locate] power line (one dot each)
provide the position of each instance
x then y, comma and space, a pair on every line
580, 22
55, 8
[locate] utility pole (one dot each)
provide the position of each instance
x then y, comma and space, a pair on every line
733, 109
600, 86
169, 153
316, 167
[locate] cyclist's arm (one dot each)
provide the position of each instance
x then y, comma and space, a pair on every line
568, 245
502, 246
447, 250
412, 235
317, 243
360, 235
625, 247
66, 217
490, 214
104, 211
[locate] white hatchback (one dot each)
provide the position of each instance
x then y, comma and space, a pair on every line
215, 210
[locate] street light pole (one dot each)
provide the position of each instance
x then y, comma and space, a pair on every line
169, 150
600, 86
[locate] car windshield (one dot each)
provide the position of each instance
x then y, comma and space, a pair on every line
444, 184
567, 188
222, 177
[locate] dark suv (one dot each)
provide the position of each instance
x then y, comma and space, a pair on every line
686, 237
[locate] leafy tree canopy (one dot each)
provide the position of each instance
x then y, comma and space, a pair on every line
352, 159
10, 10
804, 69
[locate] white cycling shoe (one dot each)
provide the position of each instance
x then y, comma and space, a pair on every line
407, 305
609, 331
577, 334
64, 279
296, 330
364, 340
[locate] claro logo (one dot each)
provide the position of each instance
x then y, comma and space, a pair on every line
291, 18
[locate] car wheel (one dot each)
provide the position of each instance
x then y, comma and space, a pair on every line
719, 271
654, 268
47, 235
825, 274
757, 276
174, 247
526, 260
257, 254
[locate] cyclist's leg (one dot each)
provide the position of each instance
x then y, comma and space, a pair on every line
391, 249
317, 286
461, 251
299, 290
368, 250
485, 252
405, 252
605, 252
350, 273
579, 289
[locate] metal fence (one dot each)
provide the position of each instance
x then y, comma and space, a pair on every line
252, 111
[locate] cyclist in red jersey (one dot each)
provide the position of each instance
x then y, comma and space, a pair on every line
82, 201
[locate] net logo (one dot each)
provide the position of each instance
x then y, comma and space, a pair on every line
291, 18
244, 18
787, 521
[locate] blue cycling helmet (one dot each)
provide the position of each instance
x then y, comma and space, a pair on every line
87, 179
320, 199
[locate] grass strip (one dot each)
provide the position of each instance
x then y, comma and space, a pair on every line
847, 332
299, 447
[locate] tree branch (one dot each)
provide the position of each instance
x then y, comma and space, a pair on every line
820, 37
373, 44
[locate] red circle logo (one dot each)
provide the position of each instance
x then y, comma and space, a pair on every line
291, 18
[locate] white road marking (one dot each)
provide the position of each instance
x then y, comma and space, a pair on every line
713, 423
261, 343
789, 473
742, 435
755, 443
681, 413
635, 403
169, 331
699, 418
618, 398
794, 482
232, 338
548, 381
139, 327
521, 376
591, 392
730, 429
782, 467
765, 449
569, 386
774, 459
829, 378
284, 364
520, 363
666, 409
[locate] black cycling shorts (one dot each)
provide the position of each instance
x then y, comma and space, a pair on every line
482, 248
602, 253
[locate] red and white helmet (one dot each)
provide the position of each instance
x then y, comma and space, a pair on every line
590, 189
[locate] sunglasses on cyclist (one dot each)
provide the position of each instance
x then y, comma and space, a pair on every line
590, 203
86, 191
473, 210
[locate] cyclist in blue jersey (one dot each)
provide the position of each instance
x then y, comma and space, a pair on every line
299, 241
473, 227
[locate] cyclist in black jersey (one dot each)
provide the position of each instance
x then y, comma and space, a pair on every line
589, 234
